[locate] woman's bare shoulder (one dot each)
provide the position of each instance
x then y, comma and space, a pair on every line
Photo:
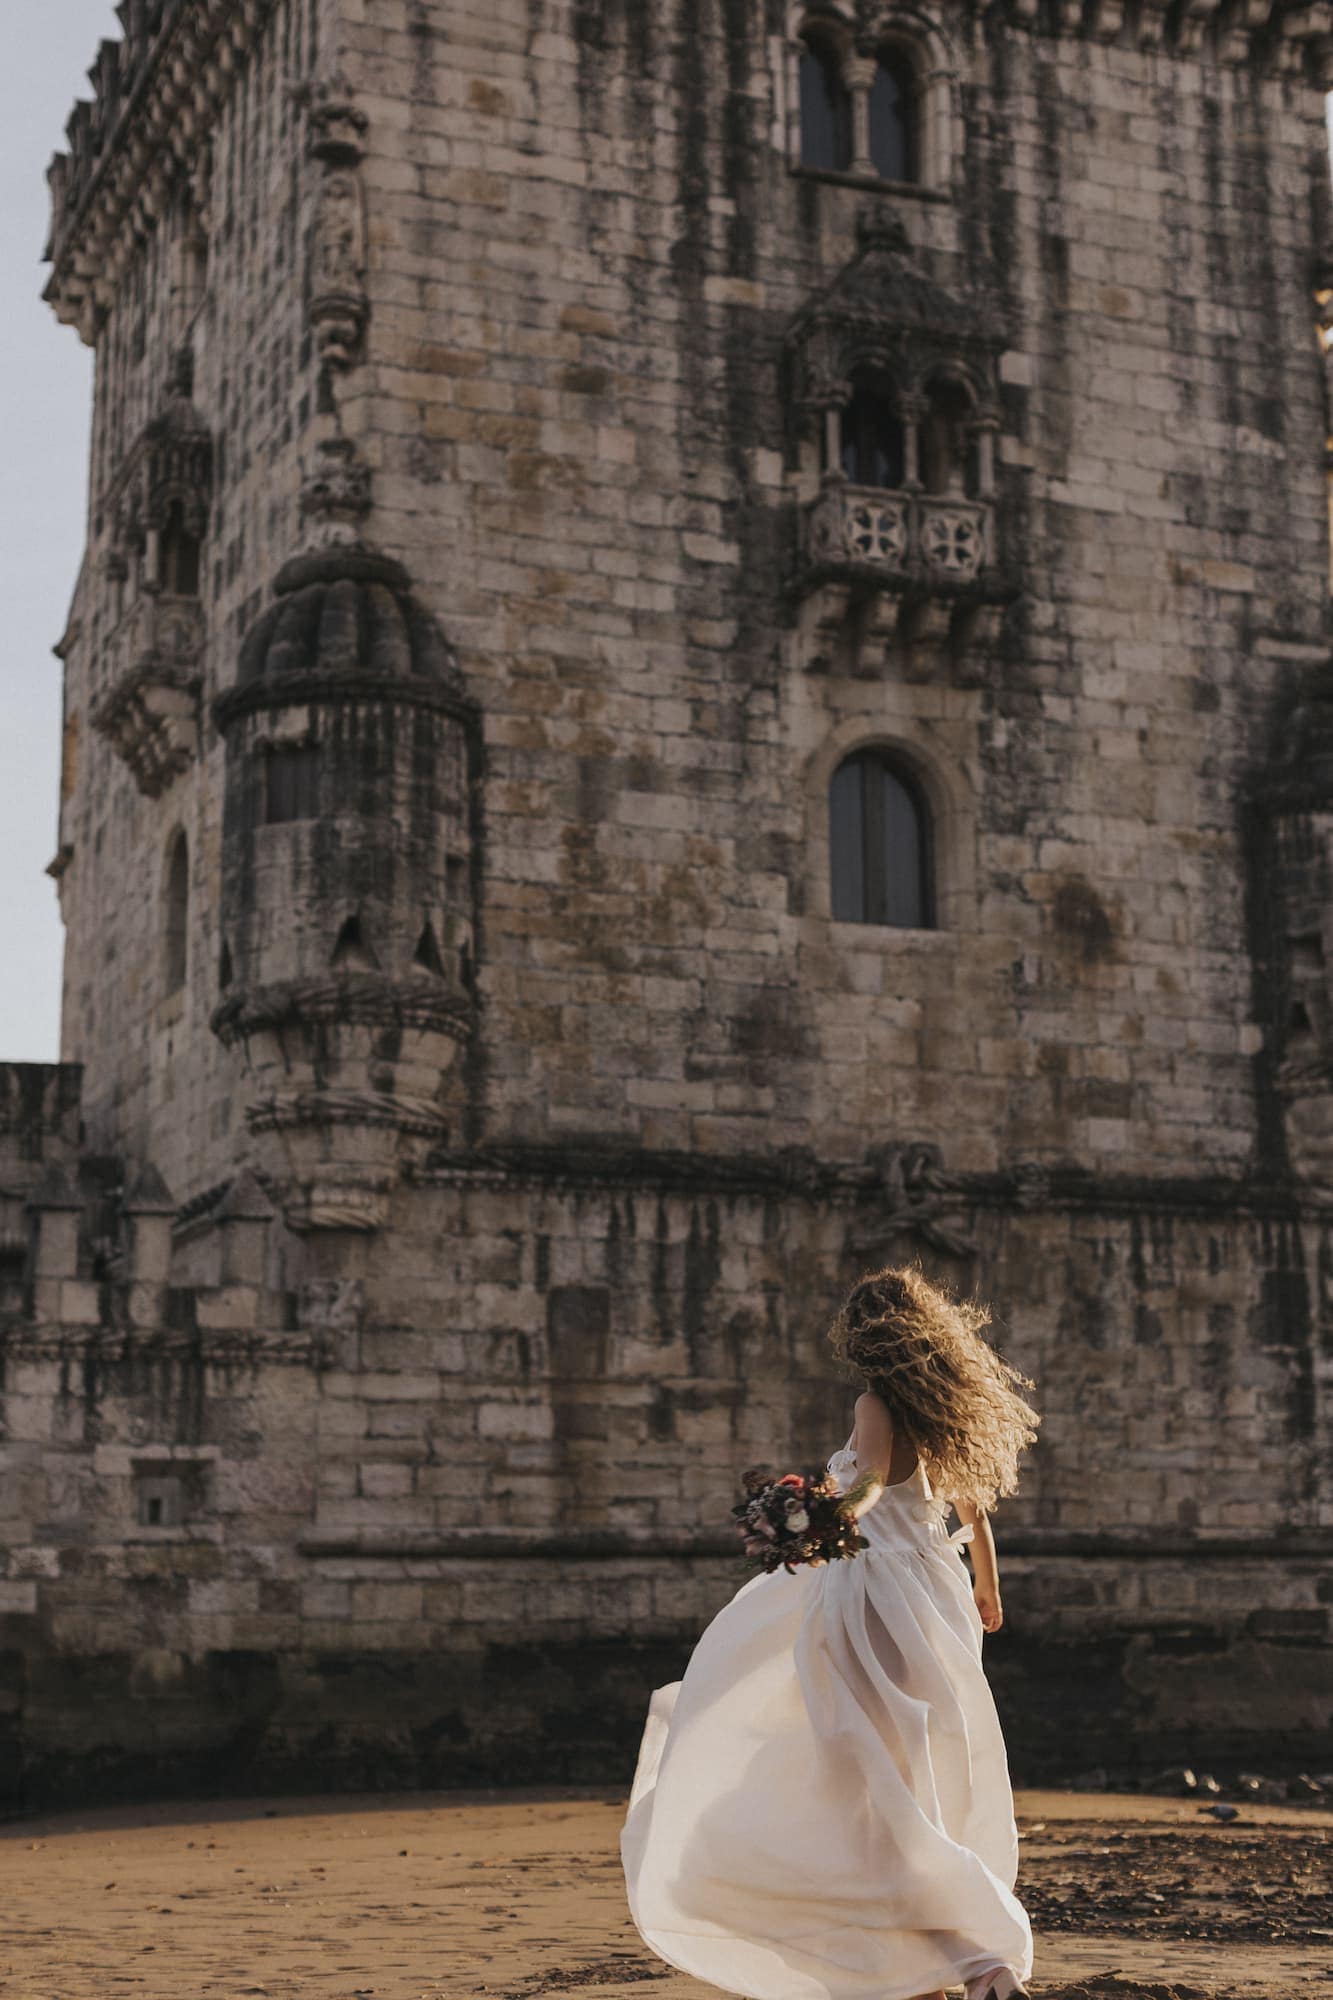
872, 1415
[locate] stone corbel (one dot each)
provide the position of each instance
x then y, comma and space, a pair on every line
1308, 29
923, 635
150, 712
1152, 21
1238, 38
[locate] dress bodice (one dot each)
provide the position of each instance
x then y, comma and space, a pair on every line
905, 1515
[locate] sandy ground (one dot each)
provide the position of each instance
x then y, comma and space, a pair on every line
512, 1895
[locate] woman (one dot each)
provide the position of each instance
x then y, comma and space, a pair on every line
821, 1808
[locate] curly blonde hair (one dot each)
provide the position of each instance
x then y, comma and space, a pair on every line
947, 1389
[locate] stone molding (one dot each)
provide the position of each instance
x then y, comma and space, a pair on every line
222, 1347
395, 1111
622, 1166
353, 684
596, 1545
374, 998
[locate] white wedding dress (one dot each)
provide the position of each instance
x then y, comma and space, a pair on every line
821, 1808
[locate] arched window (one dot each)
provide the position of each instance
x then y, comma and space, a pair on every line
879, 844
826, 106
180, 555
895, 117
948, 442
176, 925
872, 438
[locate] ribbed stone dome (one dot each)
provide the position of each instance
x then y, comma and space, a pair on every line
344, 612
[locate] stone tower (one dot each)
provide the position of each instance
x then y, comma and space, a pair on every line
702, 659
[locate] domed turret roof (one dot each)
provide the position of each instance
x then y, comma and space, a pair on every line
344, 622
345, 611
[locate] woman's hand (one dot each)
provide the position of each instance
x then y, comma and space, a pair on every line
986, 1597
861, 1496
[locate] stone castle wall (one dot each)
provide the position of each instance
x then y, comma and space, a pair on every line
514, 291
449, 1520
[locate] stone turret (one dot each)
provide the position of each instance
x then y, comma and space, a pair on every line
347, 919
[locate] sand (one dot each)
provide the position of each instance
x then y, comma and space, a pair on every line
510, 1895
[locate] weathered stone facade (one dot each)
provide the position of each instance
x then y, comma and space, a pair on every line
481, 1110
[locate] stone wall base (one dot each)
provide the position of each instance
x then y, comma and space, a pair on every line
104, 1728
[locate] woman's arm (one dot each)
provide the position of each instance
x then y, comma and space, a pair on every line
872, 1441
872, 1434
985, 1565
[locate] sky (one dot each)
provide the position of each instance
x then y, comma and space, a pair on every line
45, 403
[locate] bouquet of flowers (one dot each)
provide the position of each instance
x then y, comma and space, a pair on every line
799, 1518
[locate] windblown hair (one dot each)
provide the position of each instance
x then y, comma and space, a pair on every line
946, 1387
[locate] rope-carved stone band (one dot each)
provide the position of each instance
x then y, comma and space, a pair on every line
362, 997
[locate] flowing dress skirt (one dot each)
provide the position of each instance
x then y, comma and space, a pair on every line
821, 1808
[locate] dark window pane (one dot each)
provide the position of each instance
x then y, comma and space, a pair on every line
847, 843
872, 440
180, 556
893, 114
826, 110
290, 783
879, 846
904, 900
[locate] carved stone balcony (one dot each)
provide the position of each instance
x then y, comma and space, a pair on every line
150, 710
894, 538
897, 580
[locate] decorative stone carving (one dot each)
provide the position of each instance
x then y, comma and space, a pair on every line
896, 534
881, 311
335, 494
150, 713
914, 1197
882, 320
155, 93
169, 466
335, 141
159, 503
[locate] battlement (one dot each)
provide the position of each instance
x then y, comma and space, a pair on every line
154, 92
160, 87
39, 1118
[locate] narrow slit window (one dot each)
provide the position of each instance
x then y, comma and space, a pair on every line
176, 926
290, 783
881, 864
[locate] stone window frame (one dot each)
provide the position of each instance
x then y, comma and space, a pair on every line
950, 796
939, 126
192, 1468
